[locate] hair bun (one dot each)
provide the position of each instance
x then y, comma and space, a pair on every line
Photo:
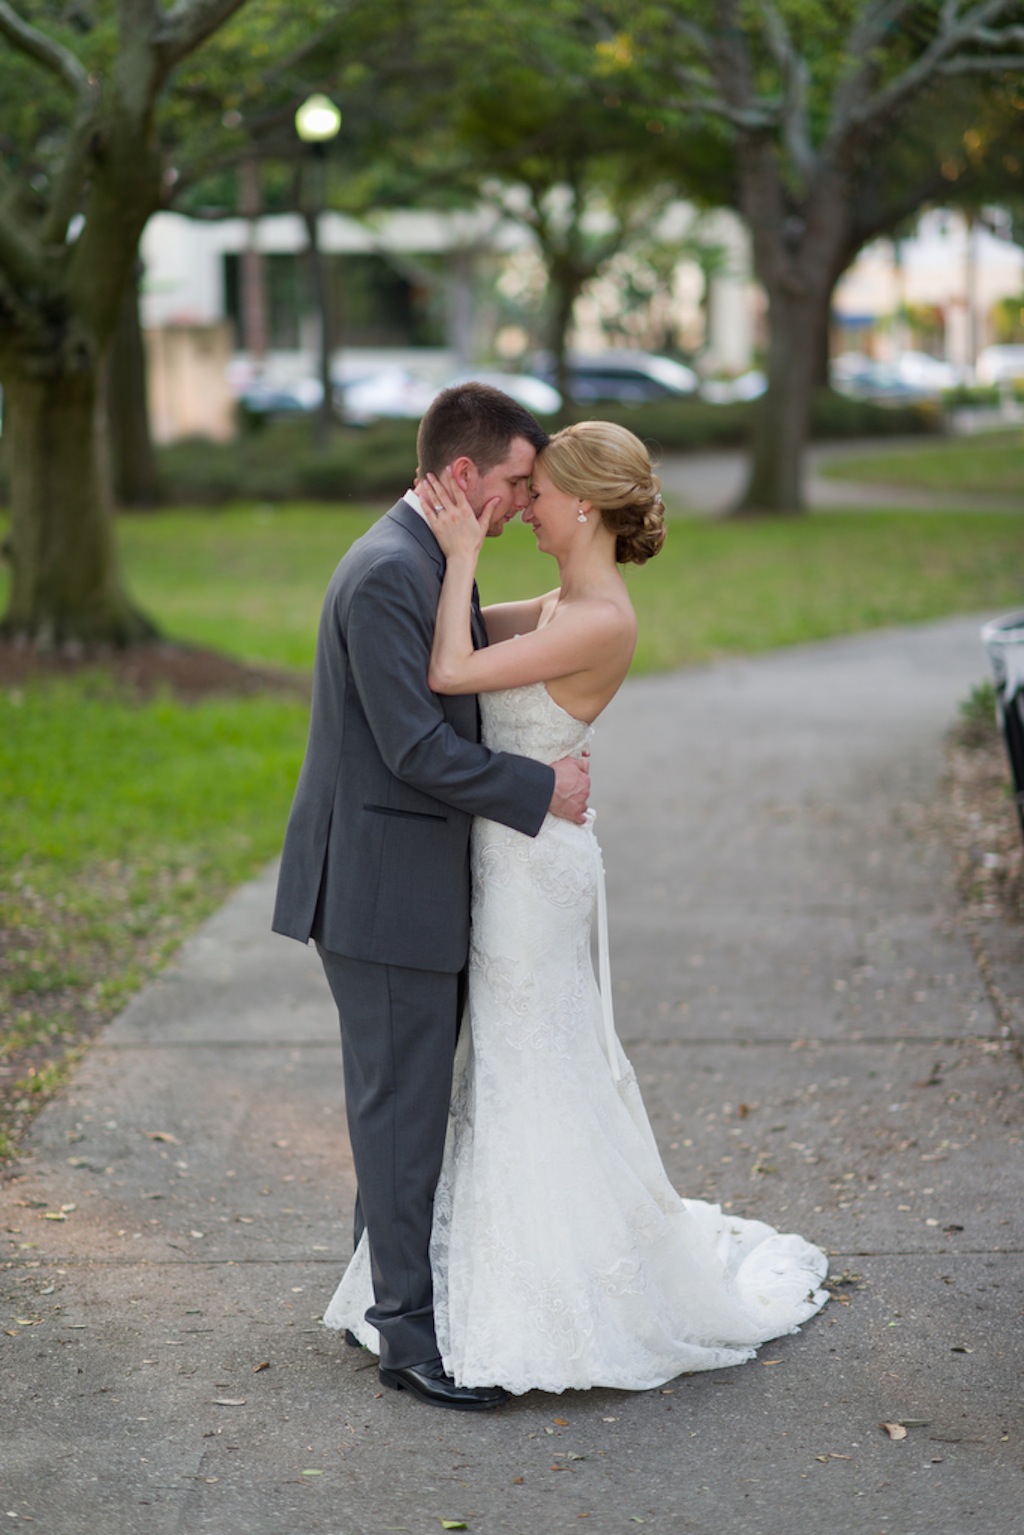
637, 544
608, 465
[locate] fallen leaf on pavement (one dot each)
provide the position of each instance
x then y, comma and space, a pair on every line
229, 1401
161, 1135
894, 1430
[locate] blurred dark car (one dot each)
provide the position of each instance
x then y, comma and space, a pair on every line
624, 377
298, 398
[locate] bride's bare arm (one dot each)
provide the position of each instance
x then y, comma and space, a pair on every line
581, 637
504, 619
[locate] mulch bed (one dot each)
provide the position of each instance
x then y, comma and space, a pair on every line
982, 827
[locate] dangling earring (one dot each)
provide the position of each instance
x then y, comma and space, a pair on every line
581, 515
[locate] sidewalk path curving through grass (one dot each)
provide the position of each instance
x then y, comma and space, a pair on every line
712, 482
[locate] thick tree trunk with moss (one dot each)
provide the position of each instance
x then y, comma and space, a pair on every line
68, 242
65, 587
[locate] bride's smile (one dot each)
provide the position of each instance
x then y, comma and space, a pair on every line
553, 514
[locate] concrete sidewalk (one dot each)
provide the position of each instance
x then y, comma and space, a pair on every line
817, 1047
711, 482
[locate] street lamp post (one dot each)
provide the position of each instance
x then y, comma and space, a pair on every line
317, 122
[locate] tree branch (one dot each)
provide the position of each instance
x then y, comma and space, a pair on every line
867, 33
70, 181
20, 255
734, 74
36, 45
311, 44
701, 40
182, 29
999, 37
982, 64
956, 31
753, 119
794, 74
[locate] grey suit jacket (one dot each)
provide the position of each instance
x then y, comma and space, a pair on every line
375, 863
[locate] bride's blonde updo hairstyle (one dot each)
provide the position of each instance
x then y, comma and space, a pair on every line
605, 464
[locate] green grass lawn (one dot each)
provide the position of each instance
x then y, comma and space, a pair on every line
122, 824
991, 464
125, 821
250, 582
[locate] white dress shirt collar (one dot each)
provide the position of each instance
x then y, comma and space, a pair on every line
416, 504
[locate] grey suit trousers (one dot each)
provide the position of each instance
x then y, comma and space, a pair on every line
398, 1032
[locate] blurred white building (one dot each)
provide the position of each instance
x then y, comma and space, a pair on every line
936, 291
414, 289
434, 292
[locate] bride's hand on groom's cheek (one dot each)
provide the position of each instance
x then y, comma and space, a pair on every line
455, 524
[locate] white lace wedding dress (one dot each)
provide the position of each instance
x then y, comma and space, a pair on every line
562, 1256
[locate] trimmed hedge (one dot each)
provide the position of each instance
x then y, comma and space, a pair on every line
279, 462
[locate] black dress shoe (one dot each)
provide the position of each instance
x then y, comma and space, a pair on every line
351, 1339
431, 1384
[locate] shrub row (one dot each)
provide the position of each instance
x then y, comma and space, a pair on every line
281, 463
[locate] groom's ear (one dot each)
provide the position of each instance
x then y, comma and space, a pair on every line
460, 469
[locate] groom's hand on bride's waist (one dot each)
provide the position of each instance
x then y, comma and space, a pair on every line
572, 789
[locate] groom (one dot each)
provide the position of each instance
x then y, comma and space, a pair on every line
376, 857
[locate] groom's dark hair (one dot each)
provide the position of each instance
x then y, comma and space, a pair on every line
473, 421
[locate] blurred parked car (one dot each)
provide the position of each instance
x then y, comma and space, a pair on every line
398, 392
906, 377
865, 378
535, 393
626, 377
727, 391
922, 371
1000, 365
299, 398
392, 392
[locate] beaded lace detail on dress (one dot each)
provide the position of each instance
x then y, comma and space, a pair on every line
562, 1256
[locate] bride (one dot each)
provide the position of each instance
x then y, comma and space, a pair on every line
562, 1256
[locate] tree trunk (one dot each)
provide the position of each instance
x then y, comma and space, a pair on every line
798, 251
782, 416
564, 288
823, 365
132, 458
65, 587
